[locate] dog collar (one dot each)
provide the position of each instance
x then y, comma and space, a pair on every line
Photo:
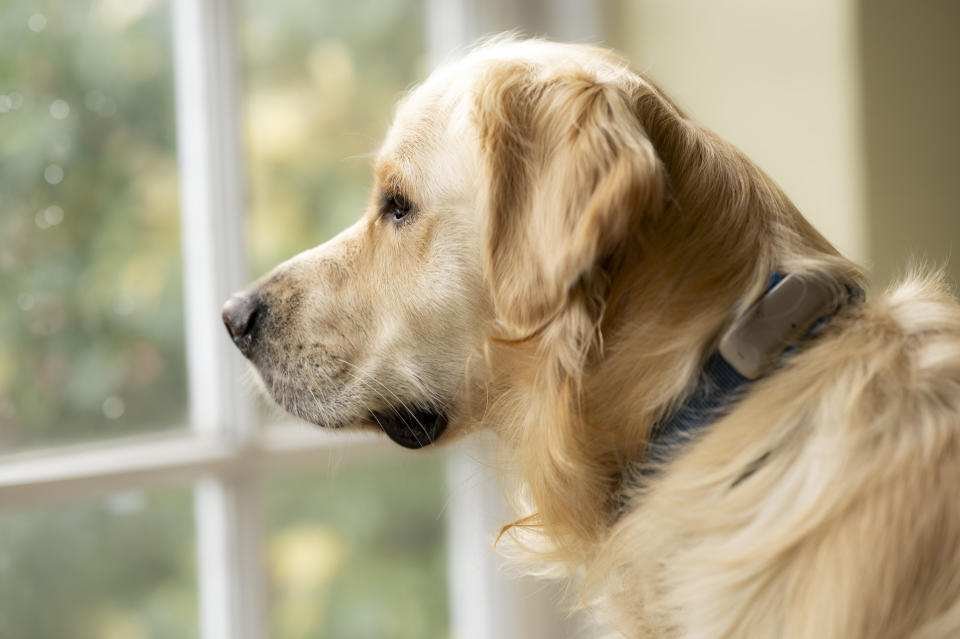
793, 309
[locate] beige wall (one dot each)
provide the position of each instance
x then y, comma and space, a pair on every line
802, 88
910, 82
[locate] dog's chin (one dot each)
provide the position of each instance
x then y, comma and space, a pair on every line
413, 427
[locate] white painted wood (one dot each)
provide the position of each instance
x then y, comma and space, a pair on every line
86, 471
227, 507
177, 458
211, 202
229, 560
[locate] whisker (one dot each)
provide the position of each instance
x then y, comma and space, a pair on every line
410, 412
368, 386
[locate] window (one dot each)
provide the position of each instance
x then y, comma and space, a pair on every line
140, 493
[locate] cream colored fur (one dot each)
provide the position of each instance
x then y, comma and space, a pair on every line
574, 249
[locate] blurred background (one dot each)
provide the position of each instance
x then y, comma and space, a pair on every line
850, 106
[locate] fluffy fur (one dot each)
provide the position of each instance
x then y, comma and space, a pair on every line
573, 248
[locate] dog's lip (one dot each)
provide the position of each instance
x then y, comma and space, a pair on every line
412, 427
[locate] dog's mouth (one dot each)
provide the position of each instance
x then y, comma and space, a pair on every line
413, 427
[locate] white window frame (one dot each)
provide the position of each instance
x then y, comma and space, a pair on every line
225, 454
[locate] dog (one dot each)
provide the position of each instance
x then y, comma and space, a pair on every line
553, 251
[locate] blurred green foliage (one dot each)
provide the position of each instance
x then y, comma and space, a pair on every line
356, 554
321, 80
91, 336
359, 554
118, 569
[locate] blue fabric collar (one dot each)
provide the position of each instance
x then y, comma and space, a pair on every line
719, 387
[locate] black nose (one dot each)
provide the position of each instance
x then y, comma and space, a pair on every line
240, 315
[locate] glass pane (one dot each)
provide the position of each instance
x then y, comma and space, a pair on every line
118, 569
321, 81
90, 292
359, 554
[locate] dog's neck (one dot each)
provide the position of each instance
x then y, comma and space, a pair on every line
790, 314
673, 289
725, 228
659, 335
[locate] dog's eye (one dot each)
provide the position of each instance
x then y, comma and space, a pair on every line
396, 207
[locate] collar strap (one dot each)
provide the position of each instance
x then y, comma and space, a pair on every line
793, 310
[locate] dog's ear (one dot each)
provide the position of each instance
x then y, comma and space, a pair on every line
571, 173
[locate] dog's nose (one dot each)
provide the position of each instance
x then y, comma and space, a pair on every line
240, 315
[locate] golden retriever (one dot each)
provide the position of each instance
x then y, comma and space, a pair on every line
553, 251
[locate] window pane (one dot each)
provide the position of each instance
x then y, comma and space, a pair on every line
123, 567
321, 81
90, 292
360, 554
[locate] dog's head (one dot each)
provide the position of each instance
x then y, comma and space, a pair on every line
508, 182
